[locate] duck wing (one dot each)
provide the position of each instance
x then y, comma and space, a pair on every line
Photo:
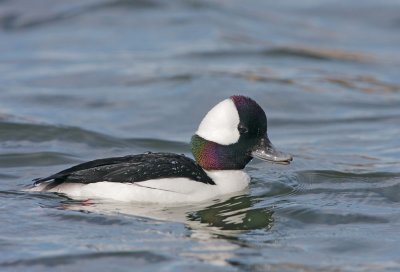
130, 169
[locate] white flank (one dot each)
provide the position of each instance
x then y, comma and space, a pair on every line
220, 125
170, 190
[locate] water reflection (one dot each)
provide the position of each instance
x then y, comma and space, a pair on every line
237, 213
229, 215
226, 218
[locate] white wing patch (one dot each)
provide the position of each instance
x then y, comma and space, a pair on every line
220, 125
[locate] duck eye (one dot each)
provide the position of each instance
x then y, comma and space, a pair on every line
242, 129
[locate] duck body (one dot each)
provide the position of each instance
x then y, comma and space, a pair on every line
149, 177
229, 136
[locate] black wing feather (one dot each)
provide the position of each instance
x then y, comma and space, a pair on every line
130, 169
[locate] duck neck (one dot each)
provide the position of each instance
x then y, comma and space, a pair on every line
212, 156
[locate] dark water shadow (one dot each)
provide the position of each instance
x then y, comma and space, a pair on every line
16, 21
330, 198
330, 176
35, 159
68, 259
299, 51
43, 133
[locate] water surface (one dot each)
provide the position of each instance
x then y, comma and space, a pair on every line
80, 81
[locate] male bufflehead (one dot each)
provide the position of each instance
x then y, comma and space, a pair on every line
229, 136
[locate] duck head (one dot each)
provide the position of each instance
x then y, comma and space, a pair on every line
231, 134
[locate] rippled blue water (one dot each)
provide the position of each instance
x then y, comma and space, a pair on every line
85, 80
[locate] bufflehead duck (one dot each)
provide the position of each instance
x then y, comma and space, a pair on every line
229, 136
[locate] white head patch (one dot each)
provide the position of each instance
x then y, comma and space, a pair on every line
220, 125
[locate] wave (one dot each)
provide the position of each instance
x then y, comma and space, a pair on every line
299, 51
43, 133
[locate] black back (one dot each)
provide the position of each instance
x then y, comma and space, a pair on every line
130, 169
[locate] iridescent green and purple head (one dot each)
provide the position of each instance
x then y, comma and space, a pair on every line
231, 134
